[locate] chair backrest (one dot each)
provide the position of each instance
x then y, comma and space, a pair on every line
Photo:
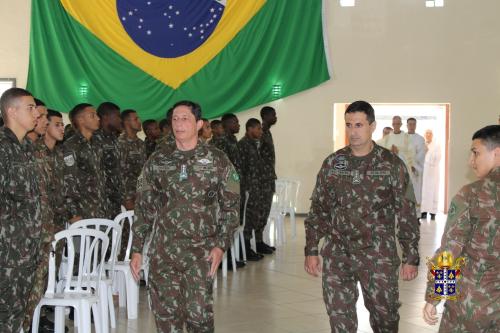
247, 195
93, 245
280, 197
293, 187
121, 219
112, 229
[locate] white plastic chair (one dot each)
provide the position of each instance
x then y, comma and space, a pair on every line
93, 245
239, 236
128, 288
291, 197
276, 219
112, 228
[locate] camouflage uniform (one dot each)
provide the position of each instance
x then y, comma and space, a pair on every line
189, 202
269, 174
84, 183
229, 144
252, 171
354, 206
150, 146
111, 166
133, 156
165, 141
20, 228
50, 202
472, 231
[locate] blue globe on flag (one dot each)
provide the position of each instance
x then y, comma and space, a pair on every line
169, 28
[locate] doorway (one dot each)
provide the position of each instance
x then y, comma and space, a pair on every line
429, 116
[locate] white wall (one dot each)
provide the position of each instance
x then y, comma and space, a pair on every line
384, 51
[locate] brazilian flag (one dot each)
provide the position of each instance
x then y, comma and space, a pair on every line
227, 55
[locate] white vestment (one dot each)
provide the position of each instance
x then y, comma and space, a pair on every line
417, 176
403, 142
430, 187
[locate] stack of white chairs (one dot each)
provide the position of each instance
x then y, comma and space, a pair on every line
291, 197
128, 288
113, 230
75, 291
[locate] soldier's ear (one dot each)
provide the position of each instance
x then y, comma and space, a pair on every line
373, 126
199, 124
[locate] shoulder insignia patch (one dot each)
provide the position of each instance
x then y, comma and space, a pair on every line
69, 160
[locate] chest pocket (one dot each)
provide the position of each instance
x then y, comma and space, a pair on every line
22, 182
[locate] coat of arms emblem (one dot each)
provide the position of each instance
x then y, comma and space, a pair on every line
445, 272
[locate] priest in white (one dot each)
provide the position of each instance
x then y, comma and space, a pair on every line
417, 172
430, 188
399, 143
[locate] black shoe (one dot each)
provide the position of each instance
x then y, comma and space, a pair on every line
433, 216
263, 248
269, 247
423, 216
252, 256
239, 264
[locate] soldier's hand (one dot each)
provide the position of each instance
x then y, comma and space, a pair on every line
215, 257
395, 149
135, 265
408, 272
129, 204
312, 265
430, 314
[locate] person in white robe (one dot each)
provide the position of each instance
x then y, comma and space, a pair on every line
417, 173
430, 186
399, 143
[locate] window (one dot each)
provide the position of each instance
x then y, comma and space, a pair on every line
6, 84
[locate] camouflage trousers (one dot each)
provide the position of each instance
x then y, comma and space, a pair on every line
182, 295
479, 309
15, 286
258, 208
39, 287
379, 284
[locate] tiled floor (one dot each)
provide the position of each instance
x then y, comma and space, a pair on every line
276, 295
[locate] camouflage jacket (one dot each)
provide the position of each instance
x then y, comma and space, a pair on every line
150, 146
133, 156
472, 232
356, 202
188, 200
84, 180
110, 163
20, 204
268, 155
229, 145
252, 165
50, 179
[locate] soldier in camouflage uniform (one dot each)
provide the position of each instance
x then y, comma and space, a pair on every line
152, 131
20, 208
133, 155
107, 136
361, 190
84, 178
228, 142
188, 201
217, 129
50, 126
472, 232
252, 171
269, 119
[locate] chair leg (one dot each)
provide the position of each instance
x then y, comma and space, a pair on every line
132, 295
103, 304
111, 307
293, 223
122, 290
236, 241
243, 246
82, 313
233, 257
98, 319
36, 319
224, 265
253, 243
59, 319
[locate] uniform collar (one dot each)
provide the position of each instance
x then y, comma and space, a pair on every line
10, 134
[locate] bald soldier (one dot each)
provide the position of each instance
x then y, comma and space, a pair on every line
472, 232
361, 190
188, 202
20, 208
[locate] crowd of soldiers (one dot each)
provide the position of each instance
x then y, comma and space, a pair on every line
52, 175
